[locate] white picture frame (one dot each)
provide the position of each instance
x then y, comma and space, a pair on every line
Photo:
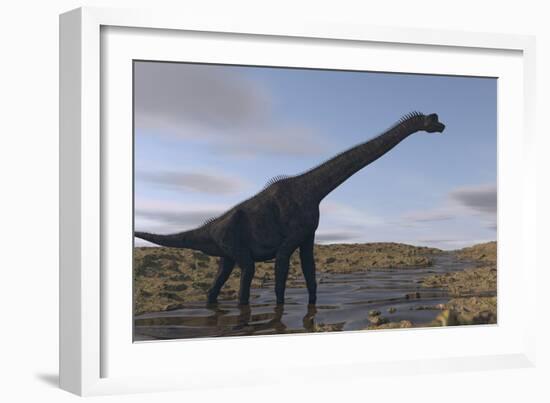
88, 320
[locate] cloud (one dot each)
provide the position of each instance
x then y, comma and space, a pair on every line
278, 141
335, 236
217, 105
428, 216
194, 181
184, 219
332, 211
341, 222
176, 93
165, 217
481, 198
432, 241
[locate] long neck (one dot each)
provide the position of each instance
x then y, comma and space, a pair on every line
198, 239
323, 179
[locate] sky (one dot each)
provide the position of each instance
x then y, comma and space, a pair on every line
207, 137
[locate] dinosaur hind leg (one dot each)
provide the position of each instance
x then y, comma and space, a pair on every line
226, 267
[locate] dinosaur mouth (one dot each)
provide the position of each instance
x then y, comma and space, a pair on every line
439, 127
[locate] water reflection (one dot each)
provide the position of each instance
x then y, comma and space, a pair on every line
261, 322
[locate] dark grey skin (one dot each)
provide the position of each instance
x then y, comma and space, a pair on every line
284, 216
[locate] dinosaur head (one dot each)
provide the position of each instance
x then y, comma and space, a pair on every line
432, 124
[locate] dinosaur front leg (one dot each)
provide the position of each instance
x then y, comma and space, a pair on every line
247, 274
308, 268
224, 271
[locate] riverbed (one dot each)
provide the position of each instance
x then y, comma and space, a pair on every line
344, 301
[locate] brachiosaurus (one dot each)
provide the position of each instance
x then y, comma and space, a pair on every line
284, 216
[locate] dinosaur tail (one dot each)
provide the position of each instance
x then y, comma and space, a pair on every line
188, 239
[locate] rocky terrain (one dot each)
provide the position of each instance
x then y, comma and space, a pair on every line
473, 291
164, 278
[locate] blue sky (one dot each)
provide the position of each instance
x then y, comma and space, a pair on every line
209, 136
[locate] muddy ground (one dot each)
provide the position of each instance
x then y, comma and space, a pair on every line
166, 279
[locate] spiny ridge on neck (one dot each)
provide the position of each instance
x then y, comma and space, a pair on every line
324, 178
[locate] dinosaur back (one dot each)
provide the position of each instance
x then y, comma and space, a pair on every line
275, 179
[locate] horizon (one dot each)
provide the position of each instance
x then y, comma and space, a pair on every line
149, 245
208, 137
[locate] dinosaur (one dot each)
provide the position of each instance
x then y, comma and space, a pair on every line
284, 216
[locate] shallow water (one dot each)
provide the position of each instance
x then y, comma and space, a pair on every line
343, 301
